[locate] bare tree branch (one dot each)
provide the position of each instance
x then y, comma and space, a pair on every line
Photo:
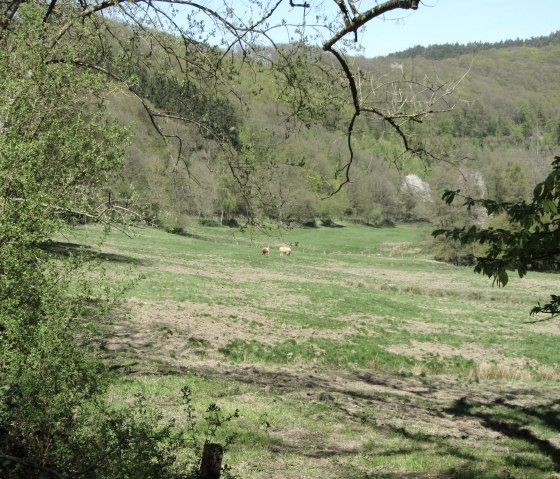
49, 10
360, 20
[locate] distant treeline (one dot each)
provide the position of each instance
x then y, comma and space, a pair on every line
451, 50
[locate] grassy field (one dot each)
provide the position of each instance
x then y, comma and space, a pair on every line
358, 356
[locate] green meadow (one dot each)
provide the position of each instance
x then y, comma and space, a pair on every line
357, 356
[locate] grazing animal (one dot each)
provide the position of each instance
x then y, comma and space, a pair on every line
265, 250
285, 250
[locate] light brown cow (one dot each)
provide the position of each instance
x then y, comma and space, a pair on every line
285, 250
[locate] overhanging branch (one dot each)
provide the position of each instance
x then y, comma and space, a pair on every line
360, 19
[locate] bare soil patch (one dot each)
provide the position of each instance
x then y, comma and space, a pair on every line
472, 351
180, 329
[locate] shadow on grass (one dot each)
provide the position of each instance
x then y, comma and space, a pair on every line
280, 445
331, 224
481, 432
414, 402
467, 473
516, 422
66, 249
382, 225
470, 464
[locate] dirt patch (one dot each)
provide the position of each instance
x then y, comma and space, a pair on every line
422, 327
172, 329
400, 248
545, 327
473, 351
194, 271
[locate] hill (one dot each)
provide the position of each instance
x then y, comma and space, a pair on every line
448, 50
500, 134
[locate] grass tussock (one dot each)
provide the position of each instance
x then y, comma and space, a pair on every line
485, 371
548, 373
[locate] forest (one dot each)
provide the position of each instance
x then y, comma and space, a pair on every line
499, 137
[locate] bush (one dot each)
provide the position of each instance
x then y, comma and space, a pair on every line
231, 222
209, 222
176, 230
453, 252
58, 154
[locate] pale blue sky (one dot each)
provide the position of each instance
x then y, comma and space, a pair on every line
461, 21
435, 21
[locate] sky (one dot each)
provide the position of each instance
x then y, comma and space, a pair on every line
435, 21
461, 21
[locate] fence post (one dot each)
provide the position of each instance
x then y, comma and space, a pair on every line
211, 465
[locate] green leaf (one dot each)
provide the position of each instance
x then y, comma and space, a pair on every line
538, 191
550, 207
502, 278
449, 196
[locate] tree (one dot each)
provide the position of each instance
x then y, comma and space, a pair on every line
531, 242
57, 152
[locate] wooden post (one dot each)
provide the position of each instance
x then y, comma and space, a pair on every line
211, 466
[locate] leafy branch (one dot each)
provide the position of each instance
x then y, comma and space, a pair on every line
531, 242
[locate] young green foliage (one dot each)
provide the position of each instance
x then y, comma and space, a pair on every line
57, 153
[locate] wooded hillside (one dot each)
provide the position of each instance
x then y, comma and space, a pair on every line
497, 140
